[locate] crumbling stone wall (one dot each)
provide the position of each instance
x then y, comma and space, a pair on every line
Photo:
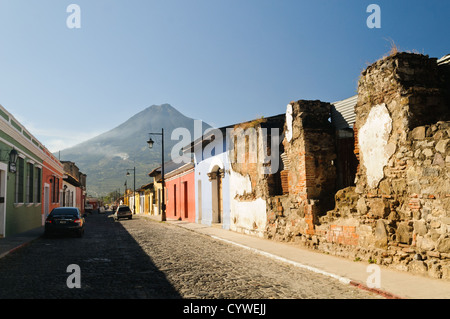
398, 214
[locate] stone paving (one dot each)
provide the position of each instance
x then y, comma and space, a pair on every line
198, 266
141, 259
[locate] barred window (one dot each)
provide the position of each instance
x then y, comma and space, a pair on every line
30, 180
55, 190
38, 185
19, 180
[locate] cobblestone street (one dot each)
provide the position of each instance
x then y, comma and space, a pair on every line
142, 258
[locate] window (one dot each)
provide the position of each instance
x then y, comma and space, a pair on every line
55, 190
30, 179
19, 180
38, 183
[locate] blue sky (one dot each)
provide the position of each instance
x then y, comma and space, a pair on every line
222, 61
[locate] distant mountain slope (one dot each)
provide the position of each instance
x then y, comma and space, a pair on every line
106, 157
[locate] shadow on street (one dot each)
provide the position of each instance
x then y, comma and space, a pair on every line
111, 265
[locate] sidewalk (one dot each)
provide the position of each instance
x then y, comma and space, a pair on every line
11, 243
394, 284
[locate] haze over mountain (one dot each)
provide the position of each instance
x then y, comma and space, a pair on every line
106, 158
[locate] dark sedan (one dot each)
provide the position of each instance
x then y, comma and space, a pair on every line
65, 220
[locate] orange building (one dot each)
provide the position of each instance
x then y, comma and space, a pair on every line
180, 188
52, 183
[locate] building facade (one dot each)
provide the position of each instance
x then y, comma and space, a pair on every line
52, 183
23, 188
212, 196
74, 186
180, 184
156, 201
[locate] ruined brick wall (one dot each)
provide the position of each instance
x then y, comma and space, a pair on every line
311, 147
253, 154
309, 173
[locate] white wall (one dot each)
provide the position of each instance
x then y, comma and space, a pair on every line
249, 217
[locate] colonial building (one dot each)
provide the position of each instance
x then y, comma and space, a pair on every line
30, 178
212, 197
156, 203
180, 184
74, 186
52, 183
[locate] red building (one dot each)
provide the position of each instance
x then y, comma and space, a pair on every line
52, 183
180, 188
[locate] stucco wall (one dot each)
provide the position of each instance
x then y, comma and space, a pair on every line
247, 216
205, 163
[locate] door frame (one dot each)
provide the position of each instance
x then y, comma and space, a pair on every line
216, 178
46, 202
3, 193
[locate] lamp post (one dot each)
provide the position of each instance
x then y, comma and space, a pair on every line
150, 146
125, 193
134, 187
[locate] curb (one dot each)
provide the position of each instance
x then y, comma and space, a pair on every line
377, 291
15, 249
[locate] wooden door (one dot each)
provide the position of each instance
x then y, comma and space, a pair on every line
219, 197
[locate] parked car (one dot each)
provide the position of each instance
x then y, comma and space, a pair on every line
123, 211
65, 220
88, 208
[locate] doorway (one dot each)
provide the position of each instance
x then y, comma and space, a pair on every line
46, 203
175, 200
199, 200
185, 202
217, 198
3, 178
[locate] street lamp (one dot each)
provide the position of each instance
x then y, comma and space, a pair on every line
134, 186
12, 159
125, 194
150, 146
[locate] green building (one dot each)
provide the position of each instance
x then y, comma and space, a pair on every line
20, 181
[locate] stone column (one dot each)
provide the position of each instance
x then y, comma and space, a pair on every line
310, 149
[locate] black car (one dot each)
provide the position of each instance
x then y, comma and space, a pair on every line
64, 220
